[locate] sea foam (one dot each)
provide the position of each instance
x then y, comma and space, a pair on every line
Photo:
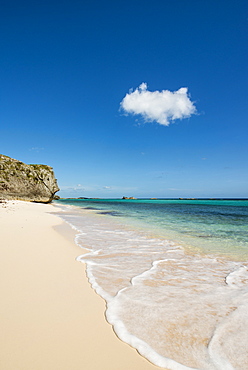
181, 310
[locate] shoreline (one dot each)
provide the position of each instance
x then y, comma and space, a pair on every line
51, 318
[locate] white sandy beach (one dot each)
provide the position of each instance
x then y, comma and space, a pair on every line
50, 317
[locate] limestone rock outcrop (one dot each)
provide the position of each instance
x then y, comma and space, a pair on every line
33, 182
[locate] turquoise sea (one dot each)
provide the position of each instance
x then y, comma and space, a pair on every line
174, 274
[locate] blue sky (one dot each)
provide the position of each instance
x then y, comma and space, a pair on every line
66, 67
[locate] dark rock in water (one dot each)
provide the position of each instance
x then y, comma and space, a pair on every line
128, 198
33, 182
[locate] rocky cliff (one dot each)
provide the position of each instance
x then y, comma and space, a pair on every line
33, 182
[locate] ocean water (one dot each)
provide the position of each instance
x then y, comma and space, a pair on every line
174, 274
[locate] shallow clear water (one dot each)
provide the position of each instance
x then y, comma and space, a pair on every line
174, 276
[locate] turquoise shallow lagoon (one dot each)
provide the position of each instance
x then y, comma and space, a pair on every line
174, 275
219, 226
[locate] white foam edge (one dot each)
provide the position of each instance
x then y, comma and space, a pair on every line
215, 352
142, 347
122, 333
234, 278
147, 272
92, 280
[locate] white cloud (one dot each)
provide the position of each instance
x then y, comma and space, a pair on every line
160, 106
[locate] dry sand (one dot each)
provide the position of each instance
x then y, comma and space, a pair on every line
50, 317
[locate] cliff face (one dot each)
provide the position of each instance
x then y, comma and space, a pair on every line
33, 182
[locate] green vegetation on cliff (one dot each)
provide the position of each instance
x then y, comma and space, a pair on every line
34, 182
